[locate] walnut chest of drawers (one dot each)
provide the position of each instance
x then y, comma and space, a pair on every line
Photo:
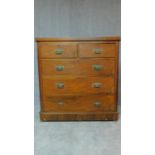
78, 78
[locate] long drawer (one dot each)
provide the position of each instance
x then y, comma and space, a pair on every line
93, 103
78, 67
77, 85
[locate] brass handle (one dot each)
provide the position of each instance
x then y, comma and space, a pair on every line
96, 85
61, 103
60, 85
97, 50
58, 51
97, 67
97, 104
59, 68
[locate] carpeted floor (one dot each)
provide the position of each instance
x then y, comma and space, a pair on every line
76, 138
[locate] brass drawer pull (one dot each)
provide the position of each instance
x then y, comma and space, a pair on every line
60, 85
59, 68
59, 51
97, 50
60, 103
96, 85
97, 67
97, 104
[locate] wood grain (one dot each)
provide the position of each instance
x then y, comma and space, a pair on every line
49, 67
77, 67
107, 50
85, 116
77, 84
49, 51
79, 103
108, 38
88, 67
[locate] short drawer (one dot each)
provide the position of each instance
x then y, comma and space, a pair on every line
94, 103
81, 85
97, 67
51, 67
97, 50
58, 51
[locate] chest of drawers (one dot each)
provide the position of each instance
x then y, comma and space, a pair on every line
78, 78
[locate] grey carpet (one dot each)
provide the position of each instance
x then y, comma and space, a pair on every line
76, 138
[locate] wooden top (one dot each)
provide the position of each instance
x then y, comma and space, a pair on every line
108, 38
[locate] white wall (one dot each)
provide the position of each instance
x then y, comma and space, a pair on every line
77, 18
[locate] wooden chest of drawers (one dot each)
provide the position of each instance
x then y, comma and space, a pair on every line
78, 78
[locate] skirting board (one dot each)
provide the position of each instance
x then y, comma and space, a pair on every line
51, 116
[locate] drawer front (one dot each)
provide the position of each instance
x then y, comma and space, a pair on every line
58, 67
94, 103
97, 67
58, 51
97, 50
78, 67
65, 86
